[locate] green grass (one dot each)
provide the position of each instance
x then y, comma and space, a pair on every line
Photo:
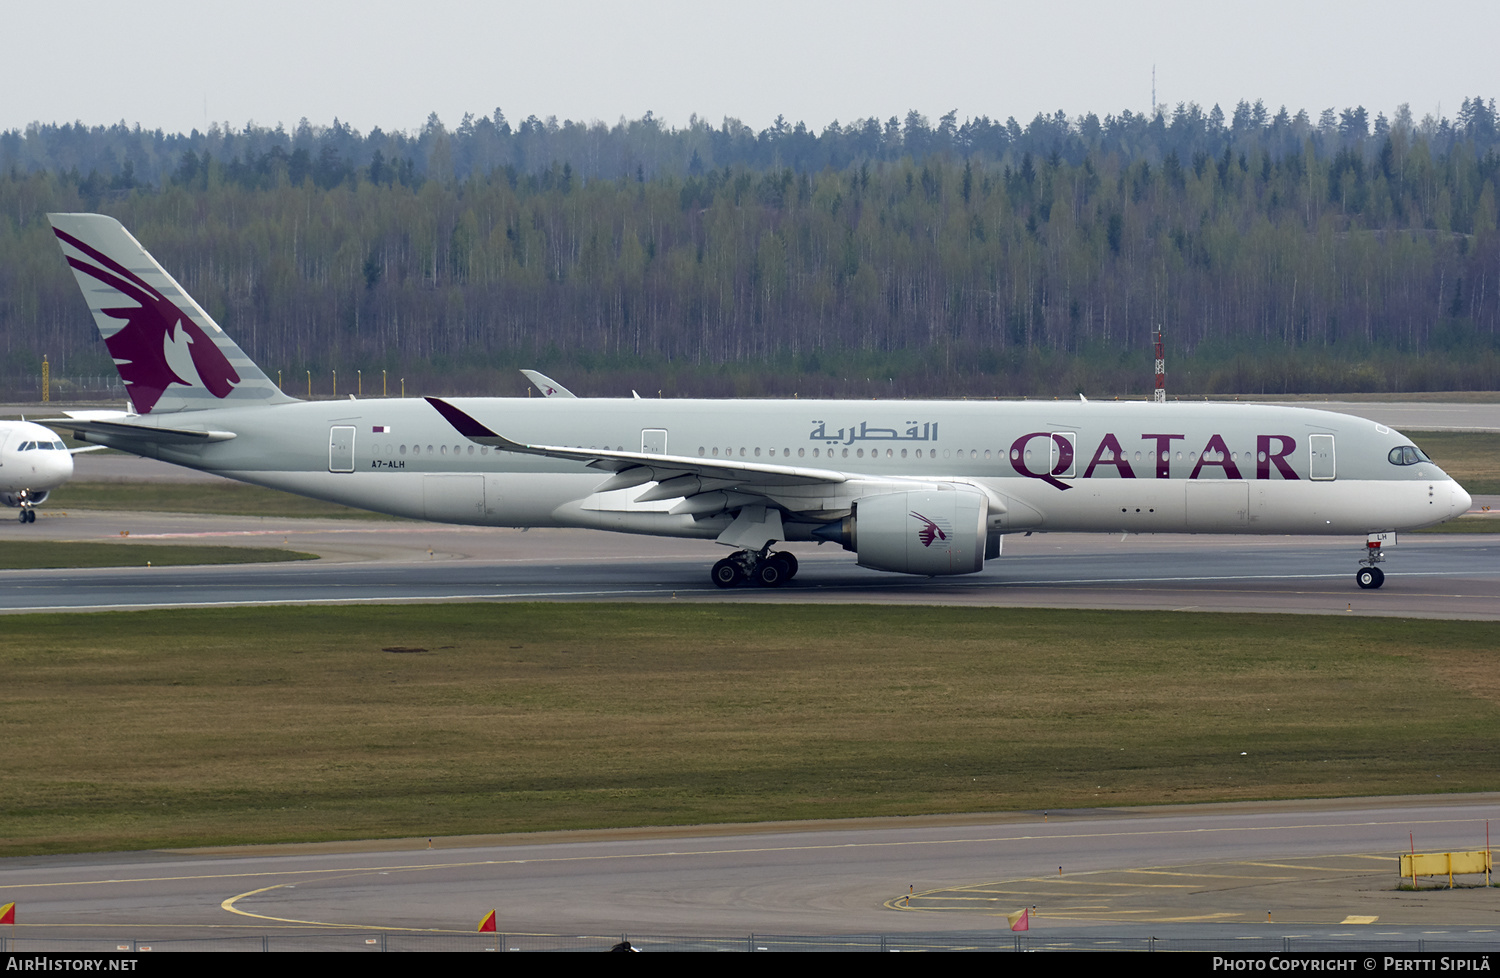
224, 498
1472, 458
36, 554
257, 725
1465, 524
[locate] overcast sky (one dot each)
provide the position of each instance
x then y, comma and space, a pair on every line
178, 65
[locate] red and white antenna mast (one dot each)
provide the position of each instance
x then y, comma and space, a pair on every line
1160, 397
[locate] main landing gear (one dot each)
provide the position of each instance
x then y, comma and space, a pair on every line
761, 568
1370, 576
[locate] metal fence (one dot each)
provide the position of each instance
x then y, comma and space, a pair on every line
62, 388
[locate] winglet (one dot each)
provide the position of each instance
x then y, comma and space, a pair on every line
465, 424
547, 386
473, 430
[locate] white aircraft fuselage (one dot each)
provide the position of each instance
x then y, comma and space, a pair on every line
1055, 465
921, 487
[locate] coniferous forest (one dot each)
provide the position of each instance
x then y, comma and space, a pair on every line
1280, 252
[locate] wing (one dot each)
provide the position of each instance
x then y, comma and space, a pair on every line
705, 485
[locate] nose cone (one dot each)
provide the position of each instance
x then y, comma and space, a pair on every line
1461, 500
54, 468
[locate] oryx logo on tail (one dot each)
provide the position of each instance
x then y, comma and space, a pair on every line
160, 344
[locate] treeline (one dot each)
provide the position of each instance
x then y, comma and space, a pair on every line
119, 157
1352, 263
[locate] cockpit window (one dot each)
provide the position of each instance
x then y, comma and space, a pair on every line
1407, 455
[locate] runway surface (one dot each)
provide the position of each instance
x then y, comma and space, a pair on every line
1310, 866
1446, 576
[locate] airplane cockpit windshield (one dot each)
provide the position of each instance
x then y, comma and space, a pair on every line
1407, 455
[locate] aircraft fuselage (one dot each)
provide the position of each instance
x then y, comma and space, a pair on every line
1055, 465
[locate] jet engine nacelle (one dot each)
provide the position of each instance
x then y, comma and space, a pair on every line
928, 532
14, 499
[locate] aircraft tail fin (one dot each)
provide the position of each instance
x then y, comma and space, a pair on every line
170, 353
546, 386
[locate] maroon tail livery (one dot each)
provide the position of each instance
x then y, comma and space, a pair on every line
140, 346
171, 355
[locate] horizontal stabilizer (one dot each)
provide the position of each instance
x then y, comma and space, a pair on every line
100, 415
144, 434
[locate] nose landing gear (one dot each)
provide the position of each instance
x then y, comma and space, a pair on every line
1369, 576
27, 514
761, 568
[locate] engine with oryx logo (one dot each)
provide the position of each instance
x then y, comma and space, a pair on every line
917, 532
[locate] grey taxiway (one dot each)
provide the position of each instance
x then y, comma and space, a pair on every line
1244, 870
1429, 575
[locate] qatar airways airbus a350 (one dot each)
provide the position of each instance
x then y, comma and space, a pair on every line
916, 487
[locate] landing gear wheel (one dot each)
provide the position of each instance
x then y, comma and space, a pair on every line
27, 516
788, 558
726, 573
772, 572
1369, 578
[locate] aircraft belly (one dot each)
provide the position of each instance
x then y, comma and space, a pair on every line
1119, 505
574, 513
481, 499
1349, 506
454, 498
1218, 506
1227, 506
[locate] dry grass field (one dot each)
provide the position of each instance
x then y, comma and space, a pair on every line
201, 727
38, 554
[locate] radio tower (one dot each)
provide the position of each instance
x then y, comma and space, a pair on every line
1160, 397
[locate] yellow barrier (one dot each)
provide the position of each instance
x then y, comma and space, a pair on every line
1447, 864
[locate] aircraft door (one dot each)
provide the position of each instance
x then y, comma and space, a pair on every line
1320, 458
653, 441
341, 448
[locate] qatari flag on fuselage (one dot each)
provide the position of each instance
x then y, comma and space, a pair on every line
381, 429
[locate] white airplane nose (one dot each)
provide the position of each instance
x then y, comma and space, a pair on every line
1461, 500
52, 469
